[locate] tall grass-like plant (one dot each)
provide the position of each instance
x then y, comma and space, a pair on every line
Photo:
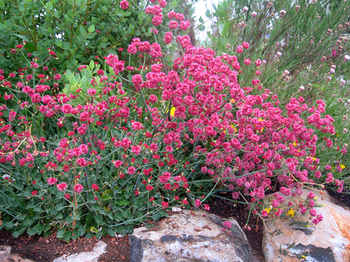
303, 48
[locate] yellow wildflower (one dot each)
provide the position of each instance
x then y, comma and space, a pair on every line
172, 111
291, 212
267, 209
342, 166
234, 128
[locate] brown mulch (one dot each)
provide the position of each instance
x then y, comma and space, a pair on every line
46, 249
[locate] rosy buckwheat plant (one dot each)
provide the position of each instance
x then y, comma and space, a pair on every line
115, 148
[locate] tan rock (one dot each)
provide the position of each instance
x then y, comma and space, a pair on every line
185, 237
328, 241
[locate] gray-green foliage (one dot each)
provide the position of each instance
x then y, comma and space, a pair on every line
77, 31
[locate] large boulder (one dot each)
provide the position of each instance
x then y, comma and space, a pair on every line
291, 239
191, 237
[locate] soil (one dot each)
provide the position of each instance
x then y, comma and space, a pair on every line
46, 249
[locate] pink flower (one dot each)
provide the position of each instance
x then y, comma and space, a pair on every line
184, 25
94, 187
67, 196
100, 72
131, 170
245, 45
328, 167
136, 150
165, 204
168, 37
311, 195
57, 77
149, 187
173, 24
207, 207
313, 212
264, 213
34, 193
118, 163
91, 91
247, 61
197, 203
51, 181
78, 188
62, 186
227, 224
171, 14
239, 49
124, 4
157, 19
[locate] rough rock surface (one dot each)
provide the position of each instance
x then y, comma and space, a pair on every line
92, 256
329, 241
185, 237
6, 256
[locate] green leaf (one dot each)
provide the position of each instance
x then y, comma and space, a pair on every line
201, 20
98, 219
201, 27
91, 29
149, 226
28, 221
30, 47
24, 37
111, 232
8, 225
21, 8
69, 219
92, 64
99, 234
81, 231
32, 231
156, 216
60, 233
82, 30
89, 235
67, 236
207, 13
18, 233
123, 202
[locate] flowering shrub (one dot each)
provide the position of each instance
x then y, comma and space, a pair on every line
108, 152
310, 61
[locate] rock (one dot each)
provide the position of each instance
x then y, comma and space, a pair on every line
6, 256
92, 256
328, 241
185, 237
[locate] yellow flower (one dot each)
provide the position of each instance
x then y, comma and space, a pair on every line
172, 111
342, 166
267, 209
234, 128
291, 212
262, 129
232, 100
